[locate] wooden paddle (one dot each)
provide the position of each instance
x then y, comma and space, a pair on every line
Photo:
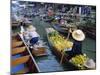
63, 50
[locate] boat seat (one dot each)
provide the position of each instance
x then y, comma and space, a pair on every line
16, 44
18, 50
20, 60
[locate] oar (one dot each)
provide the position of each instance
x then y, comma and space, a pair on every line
62, 57
68, 34
63, 50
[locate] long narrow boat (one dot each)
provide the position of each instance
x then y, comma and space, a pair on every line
62, 28
22, 59
59, 54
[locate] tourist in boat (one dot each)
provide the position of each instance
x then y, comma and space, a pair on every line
34, 36
78, 37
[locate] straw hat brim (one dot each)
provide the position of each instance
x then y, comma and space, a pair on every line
78, 38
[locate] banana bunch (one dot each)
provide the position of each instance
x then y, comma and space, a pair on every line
79, 60
59, 42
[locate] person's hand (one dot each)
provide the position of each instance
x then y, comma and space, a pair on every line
70, 30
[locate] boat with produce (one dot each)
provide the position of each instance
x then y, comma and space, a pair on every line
60, 47
58, 44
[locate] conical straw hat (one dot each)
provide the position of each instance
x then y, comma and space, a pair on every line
78, 35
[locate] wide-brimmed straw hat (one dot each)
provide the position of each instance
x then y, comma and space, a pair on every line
78, 35
90, 64
31, 28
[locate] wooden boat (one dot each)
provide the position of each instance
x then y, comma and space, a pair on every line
55, 50
59, 53
22, 59
58, 28
62, 28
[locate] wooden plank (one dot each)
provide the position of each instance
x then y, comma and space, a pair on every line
15, 37
14, 40
18, 50
20, 60
15, 44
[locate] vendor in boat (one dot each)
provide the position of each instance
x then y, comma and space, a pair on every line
78, 37
34, 36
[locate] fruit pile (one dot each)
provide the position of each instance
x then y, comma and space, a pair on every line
79, 60
59, 42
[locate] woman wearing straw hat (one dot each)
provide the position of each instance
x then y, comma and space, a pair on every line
78, 37
34, 36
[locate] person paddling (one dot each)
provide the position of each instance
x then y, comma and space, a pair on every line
78, 37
